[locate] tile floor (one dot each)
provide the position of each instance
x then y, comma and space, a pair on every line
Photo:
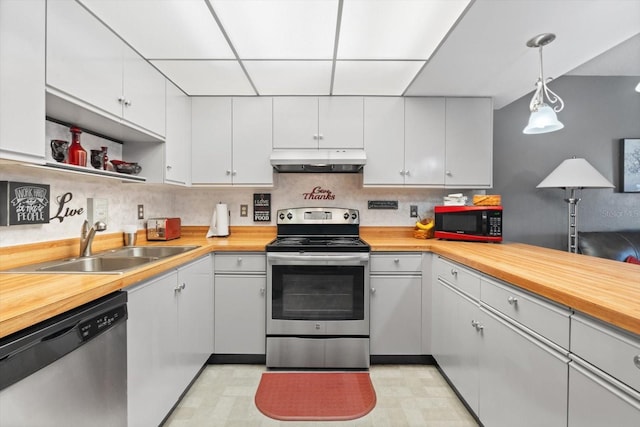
407, 395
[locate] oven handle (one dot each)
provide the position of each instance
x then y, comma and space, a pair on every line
304, 257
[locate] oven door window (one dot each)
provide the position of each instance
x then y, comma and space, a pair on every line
317, 292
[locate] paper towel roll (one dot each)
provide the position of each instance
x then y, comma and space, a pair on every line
220, 221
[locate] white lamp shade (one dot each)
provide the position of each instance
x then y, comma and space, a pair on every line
575, 173
543, 120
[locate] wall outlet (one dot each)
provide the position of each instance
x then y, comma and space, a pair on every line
244, 210
97, 210
413, 211
140, 211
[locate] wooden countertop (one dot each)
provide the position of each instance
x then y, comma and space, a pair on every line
605, 289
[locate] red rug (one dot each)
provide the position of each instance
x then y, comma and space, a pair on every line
315, 396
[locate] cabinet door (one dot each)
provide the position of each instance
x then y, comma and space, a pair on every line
22, 55
240, 314
195, 317
295, 122
522, 381
396, 315
252, 141
424, 141
384, 141
596, 399
469, 156
340, 122
144, 93
84, 58
456, 341
152, 346
178, 137
211, 139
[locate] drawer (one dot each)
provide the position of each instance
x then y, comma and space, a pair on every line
541, 316
459, 276
611, 350
240, 263
396, 263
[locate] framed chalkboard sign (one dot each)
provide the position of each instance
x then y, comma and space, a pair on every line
24, 203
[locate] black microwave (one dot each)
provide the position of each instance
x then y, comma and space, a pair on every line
470, 223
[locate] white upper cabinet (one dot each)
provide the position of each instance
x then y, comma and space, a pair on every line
424, 141
211, 140
22, 102
252, 140
231, 141
469, 156
89, 65
429, 142
178, 137
404, 141
318, 122
384, 141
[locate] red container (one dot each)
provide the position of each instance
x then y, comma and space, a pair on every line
77, 155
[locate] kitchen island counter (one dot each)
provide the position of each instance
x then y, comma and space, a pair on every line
605, 289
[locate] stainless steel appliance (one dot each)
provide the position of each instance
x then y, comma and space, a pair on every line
470, 223
317, 290
68, 371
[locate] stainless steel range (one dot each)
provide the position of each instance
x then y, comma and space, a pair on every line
318, 290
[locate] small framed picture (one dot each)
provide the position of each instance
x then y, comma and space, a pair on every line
630, 165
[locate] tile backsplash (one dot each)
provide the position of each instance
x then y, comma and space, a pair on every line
195, 205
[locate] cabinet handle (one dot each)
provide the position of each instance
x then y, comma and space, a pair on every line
474, 323
373, 290
127, 103
407, 173
448, 173
234, 173
261, 291
454, 272
168, 167
239, 260
636, 361
320, 136
479, 327
121, 100
512, 300
396, 260
402, 173
228, 172
179, 288
315, 136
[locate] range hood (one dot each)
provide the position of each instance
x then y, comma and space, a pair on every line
319, 161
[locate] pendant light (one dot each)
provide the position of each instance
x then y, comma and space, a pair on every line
543, 117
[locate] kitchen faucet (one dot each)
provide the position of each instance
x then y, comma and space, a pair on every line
87, 234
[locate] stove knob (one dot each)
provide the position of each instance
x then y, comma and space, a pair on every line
289, 215
346, 216
281, 216
354, 215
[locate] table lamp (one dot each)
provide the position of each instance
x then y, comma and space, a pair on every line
574, 175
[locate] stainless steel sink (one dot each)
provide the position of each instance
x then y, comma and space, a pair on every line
115, 261
148, 251
97, 264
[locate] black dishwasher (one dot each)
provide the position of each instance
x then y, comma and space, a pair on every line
70, 370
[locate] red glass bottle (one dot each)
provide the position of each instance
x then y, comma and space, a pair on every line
77, 155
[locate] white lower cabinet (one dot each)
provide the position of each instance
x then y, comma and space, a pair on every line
455, 339
522, 381
597, 399
169, 338
240, 304
396, 304
503, 364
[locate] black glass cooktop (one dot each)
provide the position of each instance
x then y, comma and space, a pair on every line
318, 244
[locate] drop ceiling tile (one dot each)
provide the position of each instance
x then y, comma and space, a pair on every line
290, 77
206, 77
167, 29
279, 29
374, 77
395, 29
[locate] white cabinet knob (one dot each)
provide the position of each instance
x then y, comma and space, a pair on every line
636, 361
228, 172
121, 100
407, 173
239, 260
396, 260
127, 103
168, 167
373, 290
261, 291
512, 300
234, 173
454, 272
